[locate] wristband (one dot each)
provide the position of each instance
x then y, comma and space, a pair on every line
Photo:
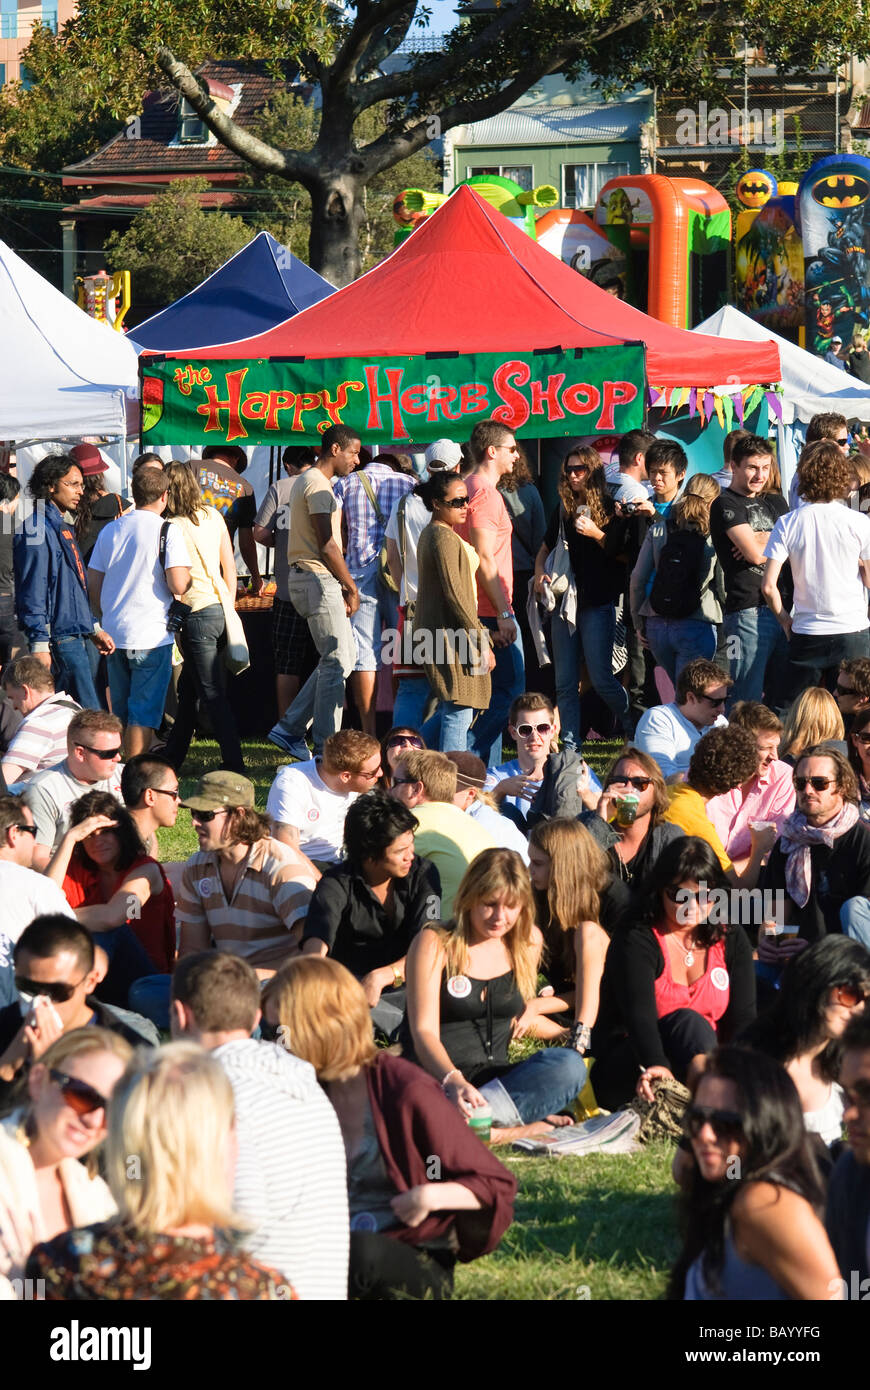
579, 1038
503, 617
454, 1071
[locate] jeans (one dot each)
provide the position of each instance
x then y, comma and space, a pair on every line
855, 920
592, 641
549, 1081
413, 694
813, 655
378, 610
77, 659
318, 599
128, 962
139, 681
455, 727
202, 642
677, 641
755, 640
508, 681
149, 996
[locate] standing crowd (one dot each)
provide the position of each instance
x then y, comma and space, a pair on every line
420, 944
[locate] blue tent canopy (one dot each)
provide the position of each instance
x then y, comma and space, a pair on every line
262, 285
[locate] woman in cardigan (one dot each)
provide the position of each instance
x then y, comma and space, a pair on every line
44, 1189
409, 1221
454, 645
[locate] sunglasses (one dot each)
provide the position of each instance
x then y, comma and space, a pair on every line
26, 829
640, 784
457, 502
57, 991
726, 1124
845, 689
577, 468
104, 754
526, 730
686, 895
405, 741
719, 700
206, 817
404, 781
370, 776
863, 739
164, 791
818, 784
850, 996
79, 1096
842, 442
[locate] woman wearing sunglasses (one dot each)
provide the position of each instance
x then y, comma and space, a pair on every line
170, 1162
472, 986
586, 519
679, 978
399, 740
859, 757
820, 991
44, 1188
117, 891
753, 1200
456, 655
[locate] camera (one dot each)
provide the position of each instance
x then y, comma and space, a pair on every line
177, 615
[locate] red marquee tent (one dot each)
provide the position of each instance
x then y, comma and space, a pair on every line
470, 281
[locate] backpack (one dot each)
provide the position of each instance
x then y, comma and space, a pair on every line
680, 574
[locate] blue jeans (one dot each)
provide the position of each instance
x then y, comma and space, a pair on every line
378, 610
455, 726
204, 677
591, 641
549, 1081
754, 638
508, 681
318, 599
128, 962
139, 681
675, 642
77, 659
412, 696
855, 920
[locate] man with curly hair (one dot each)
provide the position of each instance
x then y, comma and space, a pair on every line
722, 759
828, 547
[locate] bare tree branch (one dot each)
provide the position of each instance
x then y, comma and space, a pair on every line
369, 21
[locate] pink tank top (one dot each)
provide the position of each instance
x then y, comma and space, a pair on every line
708, 996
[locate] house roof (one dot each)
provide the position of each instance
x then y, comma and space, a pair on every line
135, 202
557, 125
145, 146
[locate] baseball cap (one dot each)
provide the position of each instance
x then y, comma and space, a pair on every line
836, 339
217, 790
89, 459
443, 455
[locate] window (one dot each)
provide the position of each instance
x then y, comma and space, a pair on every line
2, 74
9, 26
26, 78
192, 130
582, 183
523, 174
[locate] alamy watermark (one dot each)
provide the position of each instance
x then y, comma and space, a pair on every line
756, 128
441, 646
745, 907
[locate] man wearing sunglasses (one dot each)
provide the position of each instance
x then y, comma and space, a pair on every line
91, 764
634, 847
24, 894
308, 801
149, 786
852, 691
848, 1215
57, 968
670, 732
821, 863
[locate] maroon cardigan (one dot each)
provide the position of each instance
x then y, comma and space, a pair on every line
415, 1122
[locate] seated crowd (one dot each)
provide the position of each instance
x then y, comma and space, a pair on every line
419, 944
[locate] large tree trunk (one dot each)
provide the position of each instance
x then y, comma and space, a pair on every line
337, 214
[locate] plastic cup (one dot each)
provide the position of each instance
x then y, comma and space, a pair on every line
626, 809
480, 1122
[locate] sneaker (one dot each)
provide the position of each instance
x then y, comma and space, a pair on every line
296, 747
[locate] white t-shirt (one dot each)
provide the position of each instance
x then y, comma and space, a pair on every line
135, 598
416, 517
50, 793
824, 542
667, 736
26, 894
299, 798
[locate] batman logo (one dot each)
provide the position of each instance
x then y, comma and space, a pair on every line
755, 187
841, 191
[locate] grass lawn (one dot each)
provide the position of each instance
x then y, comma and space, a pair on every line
597, 1228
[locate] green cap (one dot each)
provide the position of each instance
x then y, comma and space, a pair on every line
217, 790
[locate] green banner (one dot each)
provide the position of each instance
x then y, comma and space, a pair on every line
392, 400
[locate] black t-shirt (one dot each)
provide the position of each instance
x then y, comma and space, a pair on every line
600, 577
7, 531
742, 580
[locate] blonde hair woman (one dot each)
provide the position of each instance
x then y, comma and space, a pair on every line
170, 1158
44, 1189
813, 718
203, 637
679, 620
470, 987
407, 1224
578, 901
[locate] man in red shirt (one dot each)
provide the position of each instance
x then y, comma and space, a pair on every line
488, 529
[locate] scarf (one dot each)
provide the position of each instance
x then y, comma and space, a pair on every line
797, 840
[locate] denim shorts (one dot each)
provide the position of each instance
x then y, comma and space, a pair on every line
378, 609
139, 681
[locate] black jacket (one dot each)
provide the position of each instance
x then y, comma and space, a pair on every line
838, 874
848, 1217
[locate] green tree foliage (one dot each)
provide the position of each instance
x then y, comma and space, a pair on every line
173, 243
